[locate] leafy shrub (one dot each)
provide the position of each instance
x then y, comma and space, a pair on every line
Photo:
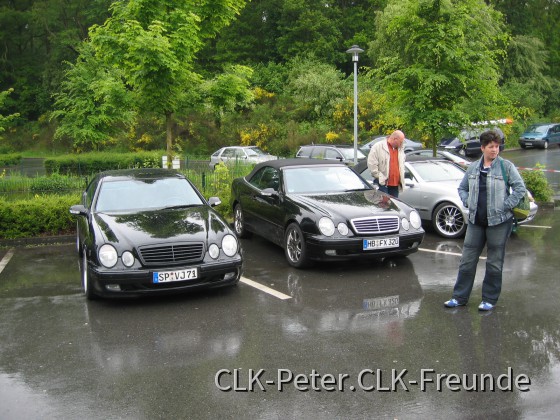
536, 182
89, 163
9, 159
41, 215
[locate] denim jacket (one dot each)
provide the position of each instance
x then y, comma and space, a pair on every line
500, 199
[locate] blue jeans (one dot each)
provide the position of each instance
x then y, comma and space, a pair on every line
495, 238
393, 191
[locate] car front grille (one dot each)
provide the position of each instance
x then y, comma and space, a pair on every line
375, 225
171, 254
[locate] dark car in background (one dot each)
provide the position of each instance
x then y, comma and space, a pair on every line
150, 231
336, 152
540, 135
321, 210
467, 142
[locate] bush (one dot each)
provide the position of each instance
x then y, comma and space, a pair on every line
9, 159
536, 182
39, 216
90, 163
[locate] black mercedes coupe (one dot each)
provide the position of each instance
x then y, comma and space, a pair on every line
320, 210
150, 231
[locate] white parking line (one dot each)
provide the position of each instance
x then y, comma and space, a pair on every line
6, 259
265, 289
444, 252
536, 226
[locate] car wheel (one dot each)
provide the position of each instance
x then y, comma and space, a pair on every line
239, 222
448, 221
545, 144
86, 281
294, 246
523, 145
462, 152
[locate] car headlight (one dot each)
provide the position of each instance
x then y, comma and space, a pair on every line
415, 220
214, 251
342, 229
326, 226
405, 224
108, 255
127, 258
229, 245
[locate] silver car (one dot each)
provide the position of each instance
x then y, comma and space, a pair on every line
233, 154
431, 188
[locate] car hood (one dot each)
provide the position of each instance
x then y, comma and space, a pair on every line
349, 205
533, 134
150, 227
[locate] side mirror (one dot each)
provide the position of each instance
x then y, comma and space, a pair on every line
79, 210
269, 192
214, 201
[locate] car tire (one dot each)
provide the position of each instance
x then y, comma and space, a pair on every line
523, 145
545, 145
239, 222
462, 152
86, 280
295, 247
448, 221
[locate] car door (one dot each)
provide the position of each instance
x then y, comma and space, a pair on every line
554, 137
263, 208
228, 155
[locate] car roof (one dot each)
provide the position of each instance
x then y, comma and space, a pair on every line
140, 173
295, 162
329, 145
363, 164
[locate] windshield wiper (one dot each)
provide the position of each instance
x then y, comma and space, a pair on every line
182, 206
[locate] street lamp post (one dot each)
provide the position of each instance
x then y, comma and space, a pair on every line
355, 51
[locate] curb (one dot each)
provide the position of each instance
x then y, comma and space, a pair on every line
41, 240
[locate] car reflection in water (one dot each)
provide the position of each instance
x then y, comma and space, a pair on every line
119, 346
371, 299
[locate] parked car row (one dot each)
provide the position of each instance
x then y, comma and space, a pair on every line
150, 231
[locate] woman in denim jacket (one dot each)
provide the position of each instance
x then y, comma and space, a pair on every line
484, 192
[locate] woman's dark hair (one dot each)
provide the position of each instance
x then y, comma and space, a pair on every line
488, 137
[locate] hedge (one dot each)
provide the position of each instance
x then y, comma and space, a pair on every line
9, 159
38, 216
89, 163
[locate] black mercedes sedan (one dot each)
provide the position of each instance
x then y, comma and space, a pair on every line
320, 210
150, 231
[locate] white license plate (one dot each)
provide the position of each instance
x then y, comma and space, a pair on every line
528, 143
178, 275
381, 303
381, 243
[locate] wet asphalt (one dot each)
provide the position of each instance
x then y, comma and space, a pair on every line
354, 326
338, 340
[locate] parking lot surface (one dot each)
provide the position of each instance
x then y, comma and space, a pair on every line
334, 341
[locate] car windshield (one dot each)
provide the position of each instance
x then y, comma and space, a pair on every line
254, 151
322, 179
538, 129
140, 194
437, 171
348, 153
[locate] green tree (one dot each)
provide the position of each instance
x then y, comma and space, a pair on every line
438, 61
93, 104
5, 120
154, 44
